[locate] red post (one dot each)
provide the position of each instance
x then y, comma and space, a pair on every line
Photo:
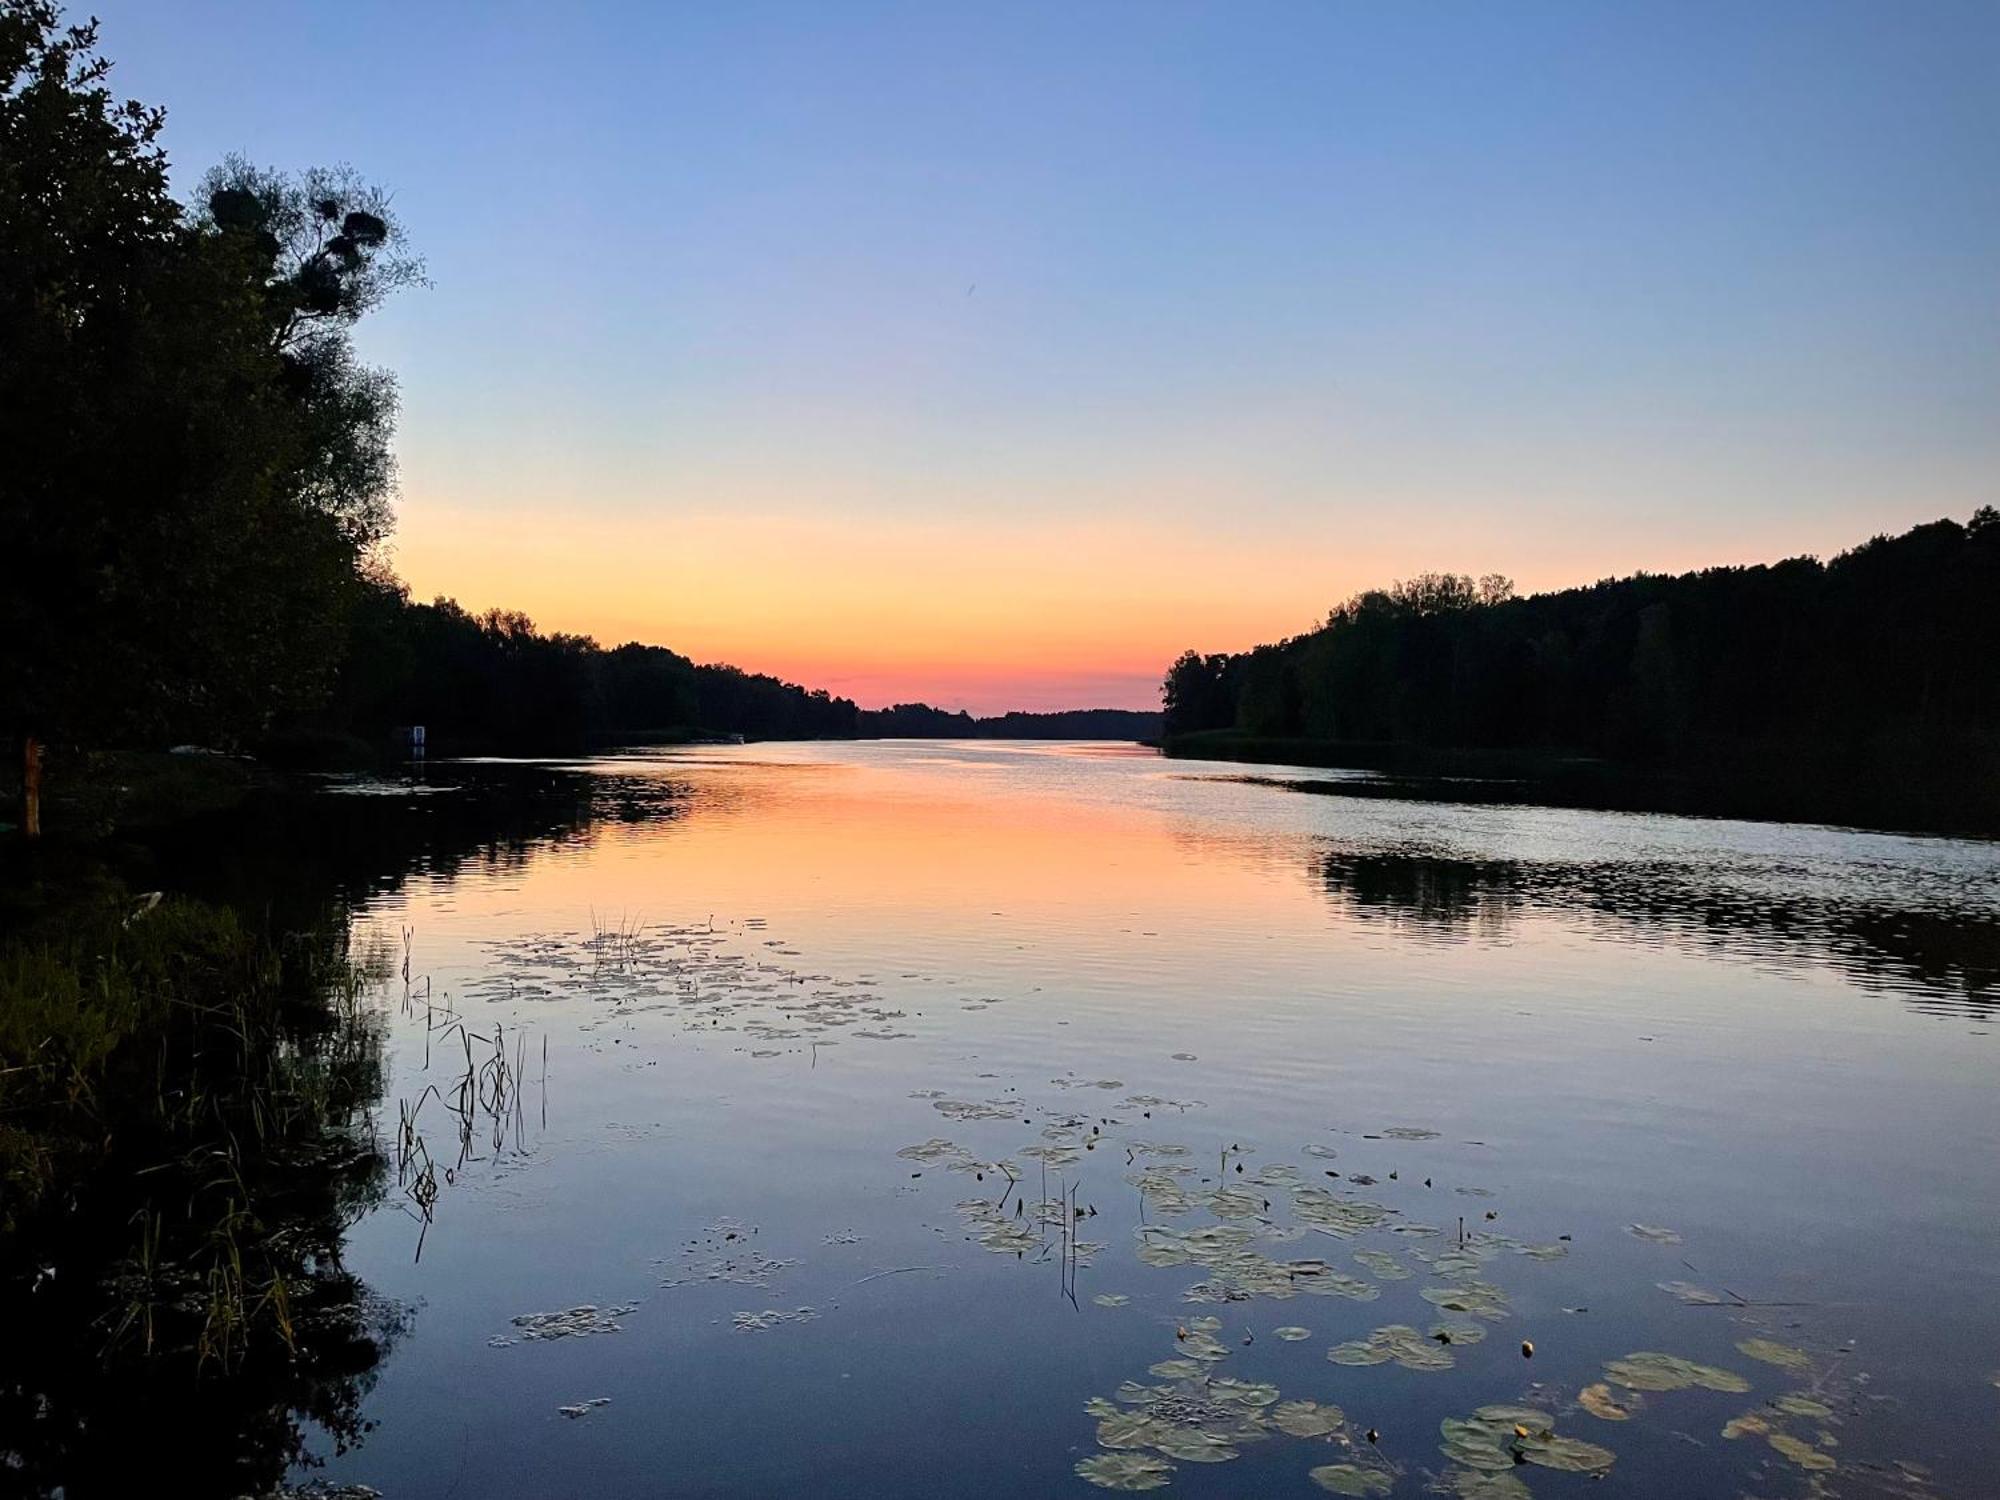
31, 787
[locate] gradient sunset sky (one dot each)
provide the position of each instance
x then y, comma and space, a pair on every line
993, 354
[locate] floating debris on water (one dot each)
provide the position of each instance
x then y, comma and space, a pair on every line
1694, 1296
770, 1317
572, 1323
745, 1265
1654, 1233
583, 1408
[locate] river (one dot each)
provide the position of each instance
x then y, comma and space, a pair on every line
1001, 1119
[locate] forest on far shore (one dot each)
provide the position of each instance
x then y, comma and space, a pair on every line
493, 681
1866, 686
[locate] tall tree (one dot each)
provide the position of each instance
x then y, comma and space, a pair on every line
193, 463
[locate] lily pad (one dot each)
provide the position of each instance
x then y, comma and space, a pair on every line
1771, 1352
1342, 1217
1800, 1452
1487, 1440
1479, 1299
1652, 1371
1235, 1203
932, 1150
1383, 1264
1654, 1233
1449, 1332
1126, 1429
1471, 1484
1572, 1455
1291, 1333
1798, 1404
1694, 1296
962, 1109
1352, 1479
1194, 1446
1601, 1403
1475, 1445
1398, 1342
1307, 1419
1111, 1299
1250, 1393
1126, 1471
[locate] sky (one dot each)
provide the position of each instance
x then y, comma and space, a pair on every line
992, 355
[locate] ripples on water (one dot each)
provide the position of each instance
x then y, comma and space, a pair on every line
1001, 1120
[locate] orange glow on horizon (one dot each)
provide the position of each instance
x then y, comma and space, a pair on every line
1060, 615
1036, 613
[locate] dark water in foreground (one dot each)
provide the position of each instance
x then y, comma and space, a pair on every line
800, 1048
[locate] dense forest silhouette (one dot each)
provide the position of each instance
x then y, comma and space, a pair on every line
494, 682
1864, 686
921, 721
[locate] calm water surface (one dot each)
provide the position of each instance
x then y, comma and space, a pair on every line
827, 1032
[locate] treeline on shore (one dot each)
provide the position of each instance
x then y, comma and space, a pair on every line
921, 721
1861, 688
493, 682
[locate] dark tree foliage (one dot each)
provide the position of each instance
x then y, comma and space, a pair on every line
492, 681
192, 462
921, 721
762, 707
1880, 662
917, 721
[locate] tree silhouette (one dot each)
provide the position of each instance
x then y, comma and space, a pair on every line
1862, 686
193, 464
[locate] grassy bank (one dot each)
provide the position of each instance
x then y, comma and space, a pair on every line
92, 794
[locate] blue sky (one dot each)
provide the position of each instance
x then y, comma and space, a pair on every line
996, 353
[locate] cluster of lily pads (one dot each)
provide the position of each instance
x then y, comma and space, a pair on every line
1403, 1345
1191, 1414
709, 978
1488, 1445
1781, 1421
1198, 1416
